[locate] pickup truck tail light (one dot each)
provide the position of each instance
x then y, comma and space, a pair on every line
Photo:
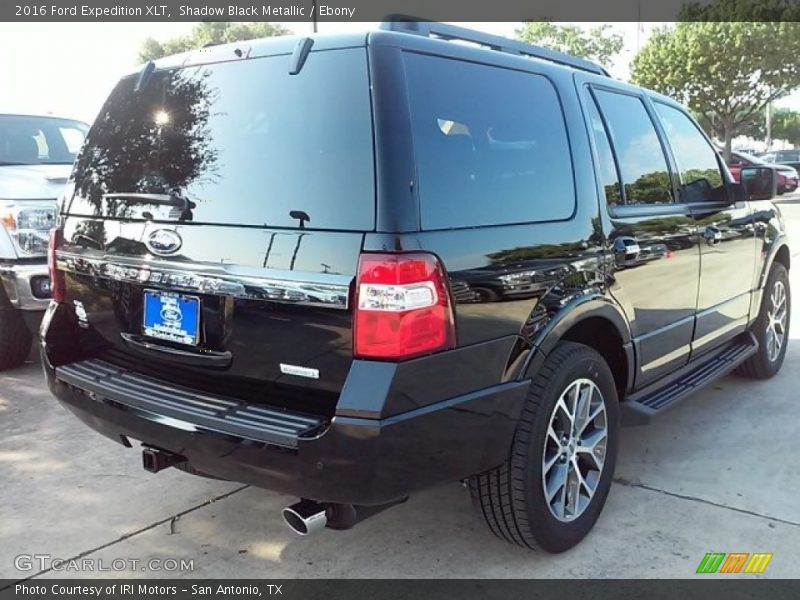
57, 283
403, 307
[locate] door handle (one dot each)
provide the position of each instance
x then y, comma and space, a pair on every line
206, 358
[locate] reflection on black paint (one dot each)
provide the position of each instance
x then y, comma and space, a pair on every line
134, 148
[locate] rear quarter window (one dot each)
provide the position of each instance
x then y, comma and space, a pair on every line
490, 144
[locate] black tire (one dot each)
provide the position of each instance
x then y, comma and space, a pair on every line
511, 497
759, 365
15, 338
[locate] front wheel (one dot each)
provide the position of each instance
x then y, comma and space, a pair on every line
550, 491
771, 328
15, 339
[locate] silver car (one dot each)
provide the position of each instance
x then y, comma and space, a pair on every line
36, 156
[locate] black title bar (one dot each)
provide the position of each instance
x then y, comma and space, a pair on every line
378, 10
733, 588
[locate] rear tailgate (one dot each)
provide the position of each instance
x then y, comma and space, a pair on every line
216, 221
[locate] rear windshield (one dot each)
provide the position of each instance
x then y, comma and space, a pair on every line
238, 142
39, 140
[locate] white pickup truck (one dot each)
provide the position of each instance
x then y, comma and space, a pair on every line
36, 156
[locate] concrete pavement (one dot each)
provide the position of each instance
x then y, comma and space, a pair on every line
718, 473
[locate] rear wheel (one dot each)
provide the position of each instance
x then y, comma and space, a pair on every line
771, 328
15, 338
550, 491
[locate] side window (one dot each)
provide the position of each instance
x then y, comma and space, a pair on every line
701, 179
73, 138
609, 176
645, 174
491, 145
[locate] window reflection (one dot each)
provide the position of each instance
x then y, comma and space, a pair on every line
641, 158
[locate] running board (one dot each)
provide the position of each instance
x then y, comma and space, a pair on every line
639, 407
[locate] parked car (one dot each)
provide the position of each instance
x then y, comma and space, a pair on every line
783, 157
787, 175
269, 270
36, 154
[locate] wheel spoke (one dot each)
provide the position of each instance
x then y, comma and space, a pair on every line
599, 409
593, 447
550, 462
557, 481
582, 483
584, 405
574, 392
553, 435
561, 405
573, 488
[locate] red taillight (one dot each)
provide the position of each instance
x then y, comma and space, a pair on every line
402, 308
57, 284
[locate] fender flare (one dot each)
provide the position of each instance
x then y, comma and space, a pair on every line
780, 242
584, 307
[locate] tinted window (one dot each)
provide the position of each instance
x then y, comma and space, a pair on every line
696, 159
243, 141
609, 177
645, 174
788, 155
39, 140
491, 145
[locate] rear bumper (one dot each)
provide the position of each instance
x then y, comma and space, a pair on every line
345, 459
23, 284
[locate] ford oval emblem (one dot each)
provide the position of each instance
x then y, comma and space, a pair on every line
163, 242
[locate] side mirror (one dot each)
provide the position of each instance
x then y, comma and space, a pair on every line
761, 183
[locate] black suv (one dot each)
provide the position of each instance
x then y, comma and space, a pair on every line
349, 268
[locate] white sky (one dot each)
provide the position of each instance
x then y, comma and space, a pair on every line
69, 68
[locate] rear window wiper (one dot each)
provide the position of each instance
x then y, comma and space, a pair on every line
155, 199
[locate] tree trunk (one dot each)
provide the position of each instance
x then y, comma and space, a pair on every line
727, 124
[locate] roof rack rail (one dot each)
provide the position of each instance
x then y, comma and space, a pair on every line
443, 31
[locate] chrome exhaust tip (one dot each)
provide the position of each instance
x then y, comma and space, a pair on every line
306, 517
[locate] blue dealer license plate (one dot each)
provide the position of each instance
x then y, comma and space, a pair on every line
172, 317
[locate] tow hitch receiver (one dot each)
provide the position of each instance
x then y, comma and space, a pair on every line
155, 460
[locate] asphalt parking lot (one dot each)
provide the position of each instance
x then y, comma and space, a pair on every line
719, 473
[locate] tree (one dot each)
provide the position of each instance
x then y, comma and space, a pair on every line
599, 43
216, 32
786, 126
727, 71
753, 127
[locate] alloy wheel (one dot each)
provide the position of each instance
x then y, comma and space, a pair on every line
574, 449
776, 321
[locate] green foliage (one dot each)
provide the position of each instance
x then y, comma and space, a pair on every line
599, 43
726, 71
741, 10
650, 188
786, 126
217, 32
